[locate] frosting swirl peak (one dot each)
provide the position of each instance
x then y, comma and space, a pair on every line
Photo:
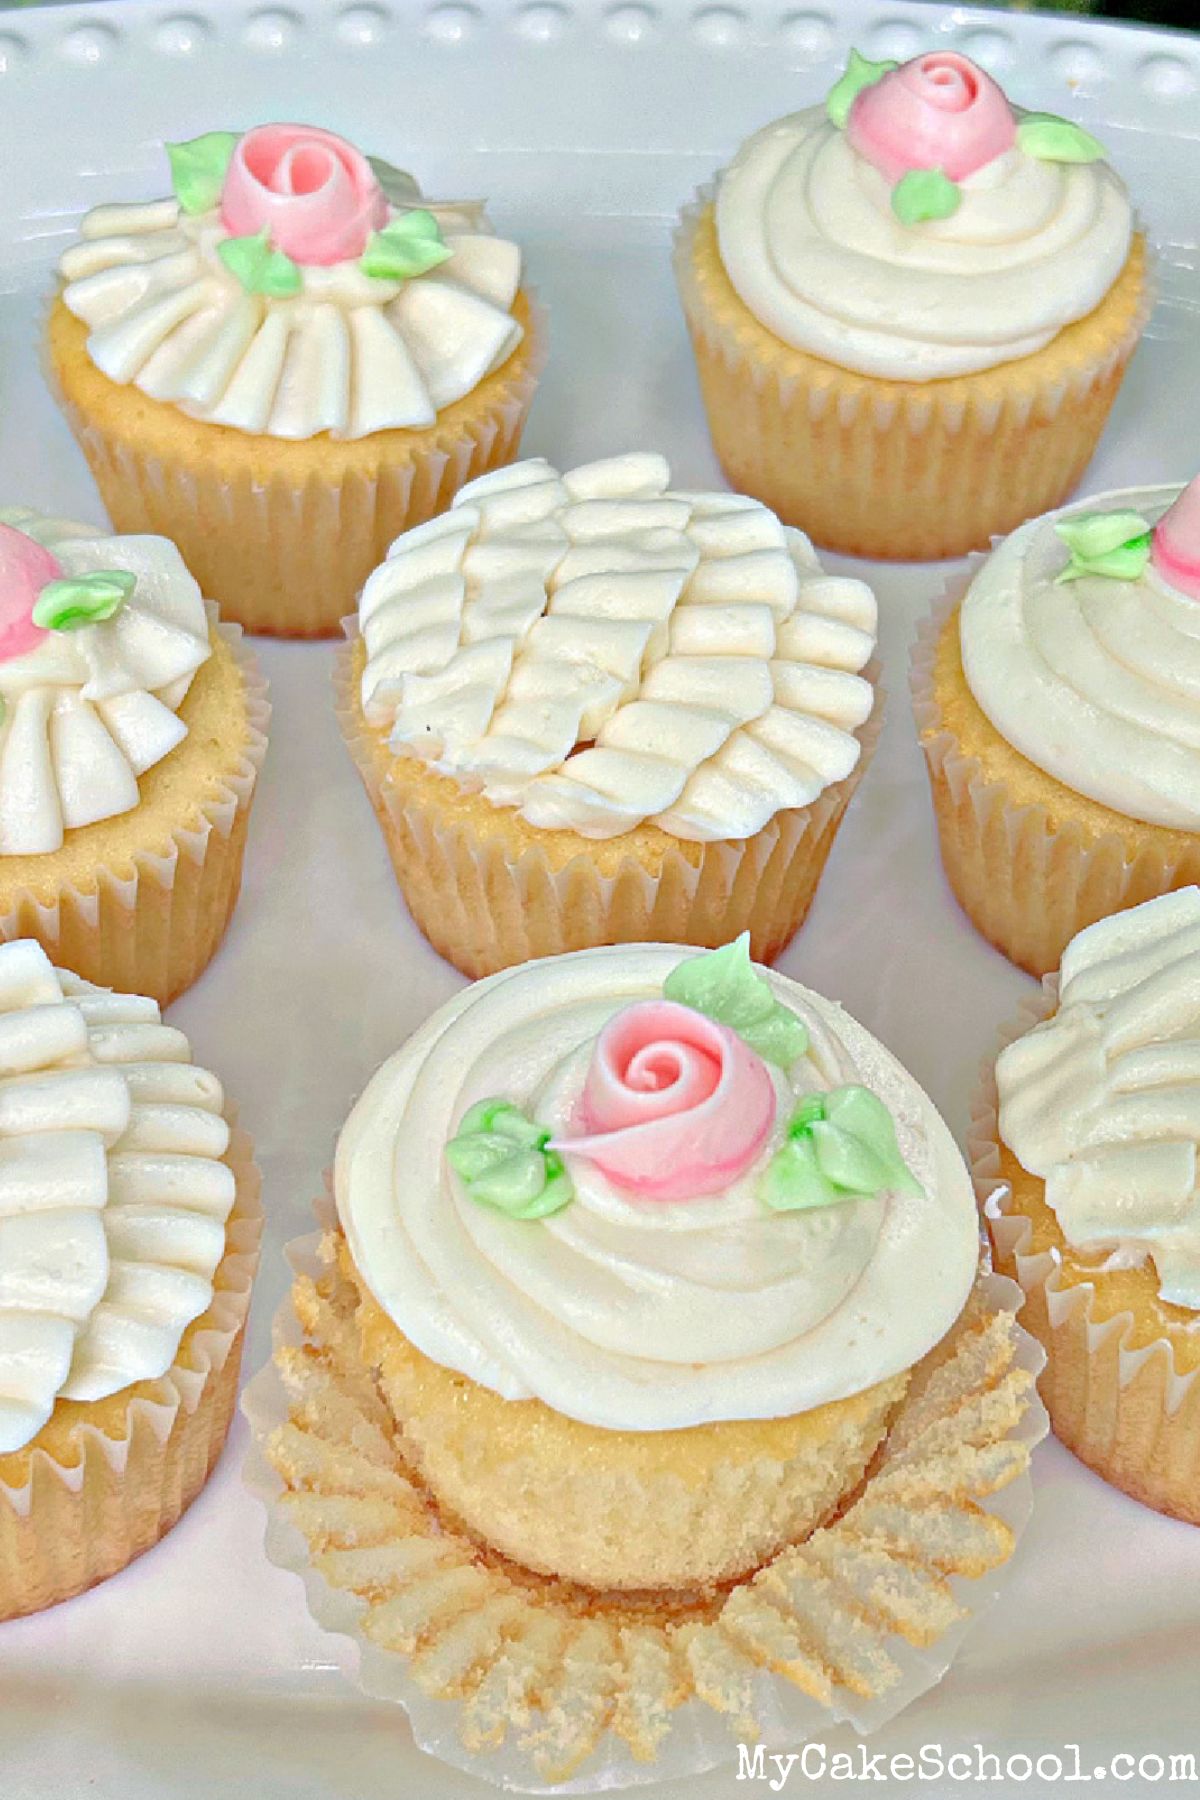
813, 244
628, 1312
1095, 681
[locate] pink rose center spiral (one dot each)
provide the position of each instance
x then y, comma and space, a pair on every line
25, 568
315, 194
674, 1105
939, 111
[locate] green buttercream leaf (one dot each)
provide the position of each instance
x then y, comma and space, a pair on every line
723, 985
398, 185
859, 73
411, 245
199, 167
1115, 544
501, 1157
77, 600
838, 1146
857, 1112
793, 1181
1051, 139
925, 194
259, 269
506, 1121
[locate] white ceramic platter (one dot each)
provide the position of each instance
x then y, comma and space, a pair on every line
198, 1672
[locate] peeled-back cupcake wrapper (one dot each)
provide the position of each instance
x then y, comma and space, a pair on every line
154, 931
1028, 885
767, 436
484, 912
288, 558
1097, 1418
67, 1527
626, 1700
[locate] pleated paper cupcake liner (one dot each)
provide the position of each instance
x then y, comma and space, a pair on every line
1027, 883
153, 925
137, 1461
488, 903
285, 549
545, 1688
1118, 1401
894, 469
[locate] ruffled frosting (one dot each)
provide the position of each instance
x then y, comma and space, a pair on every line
1096, 681
88, 711
811, 243
644, 1314
597, 649
1102, 1101
113, 1197
349, 354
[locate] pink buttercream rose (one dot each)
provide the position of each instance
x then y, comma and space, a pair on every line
1175, 546
674, 1105
315, 193
939, 111
25, 568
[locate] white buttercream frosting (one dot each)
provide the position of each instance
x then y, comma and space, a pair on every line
349, 354
812, 246
90, 710
597, 649
643, 1315
1096, 681
1102, 1101
113, 1197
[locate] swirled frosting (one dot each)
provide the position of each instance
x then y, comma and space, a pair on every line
113, 1197
811, 243
597, 649
348, 353
643, 1314
87, 711
1096, 681
1102, 1101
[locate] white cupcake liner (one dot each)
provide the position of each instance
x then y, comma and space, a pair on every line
771, 1710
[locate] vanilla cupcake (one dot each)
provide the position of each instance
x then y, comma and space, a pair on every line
129, 1229
288, 362
1059, 712
648, 1361
911, 309
132, 728
1096, 1209
591, 709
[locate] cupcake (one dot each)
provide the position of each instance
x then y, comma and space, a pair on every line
646, 1365
911, 309
288, 362
129, 1229
1059, 711
590, 709
132, 728
1090, 1167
